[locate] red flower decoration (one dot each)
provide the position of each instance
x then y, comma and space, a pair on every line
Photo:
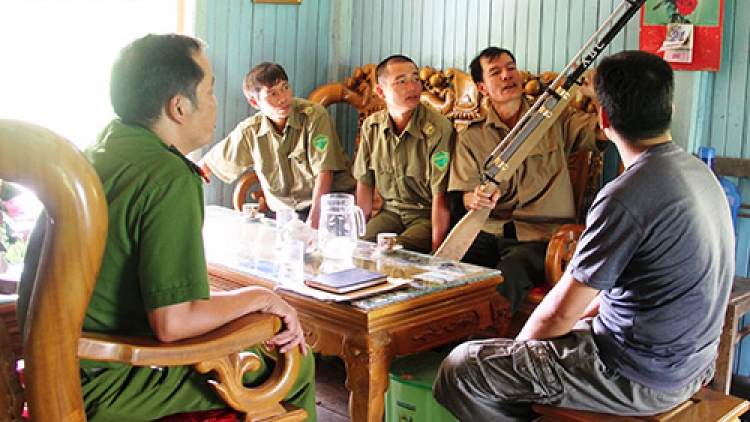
686, 7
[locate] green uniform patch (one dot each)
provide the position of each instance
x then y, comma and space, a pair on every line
321, 142
441, 160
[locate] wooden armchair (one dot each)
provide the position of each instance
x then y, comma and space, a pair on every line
249, 183
53, 342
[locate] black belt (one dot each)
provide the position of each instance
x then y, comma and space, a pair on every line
509, 230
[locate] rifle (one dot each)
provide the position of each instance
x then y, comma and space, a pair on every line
515, 147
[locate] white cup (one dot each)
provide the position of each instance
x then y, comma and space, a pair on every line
249, 210
387, 242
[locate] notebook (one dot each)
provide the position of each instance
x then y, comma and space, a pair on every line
347, 280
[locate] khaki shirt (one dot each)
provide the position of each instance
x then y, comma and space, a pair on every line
538, 198
408, 169
286, 165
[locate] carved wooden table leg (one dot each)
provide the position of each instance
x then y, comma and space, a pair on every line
367, 364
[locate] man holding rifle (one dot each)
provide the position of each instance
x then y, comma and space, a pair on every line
632, 327
538, 198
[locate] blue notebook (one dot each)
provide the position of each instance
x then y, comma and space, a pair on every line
346, 281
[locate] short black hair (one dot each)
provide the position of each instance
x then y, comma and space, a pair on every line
490, 53
266, 74
151, 70
395, 58
636, 90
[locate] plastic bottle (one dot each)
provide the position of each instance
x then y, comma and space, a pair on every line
707, 155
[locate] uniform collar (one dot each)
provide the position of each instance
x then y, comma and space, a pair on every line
494, 120
191, 165
415, 127
294, 121
117, 128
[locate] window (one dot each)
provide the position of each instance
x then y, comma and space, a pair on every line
57, 56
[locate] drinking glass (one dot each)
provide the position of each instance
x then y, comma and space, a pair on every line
284, 219
291, 263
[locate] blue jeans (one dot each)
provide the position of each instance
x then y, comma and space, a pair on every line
499, 380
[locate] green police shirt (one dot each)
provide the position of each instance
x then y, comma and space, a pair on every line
154, 255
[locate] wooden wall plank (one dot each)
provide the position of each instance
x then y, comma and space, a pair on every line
534, 38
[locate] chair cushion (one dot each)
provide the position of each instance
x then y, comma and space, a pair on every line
536, 294
216, 415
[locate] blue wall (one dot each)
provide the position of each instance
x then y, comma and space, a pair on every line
322, 41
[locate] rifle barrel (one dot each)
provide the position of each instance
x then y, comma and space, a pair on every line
559, 87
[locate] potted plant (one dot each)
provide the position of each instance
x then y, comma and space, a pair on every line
12, 243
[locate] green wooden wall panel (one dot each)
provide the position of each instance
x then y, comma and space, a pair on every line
242, 34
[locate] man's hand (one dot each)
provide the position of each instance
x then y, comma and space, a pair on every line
587, 87
292, 335
189, 319
478, 199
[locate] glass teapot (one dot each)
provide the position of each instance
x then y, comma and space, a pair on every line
341, 223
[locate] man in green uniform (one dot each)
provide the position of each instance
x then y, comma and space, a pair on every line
153, 279
291, 143
528, 209
405, 150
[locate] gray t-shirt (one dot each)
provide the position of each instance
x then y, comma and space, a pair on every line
659, 244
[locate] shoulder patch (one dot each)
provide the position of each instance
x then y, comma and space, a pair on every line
320, 142
441, 159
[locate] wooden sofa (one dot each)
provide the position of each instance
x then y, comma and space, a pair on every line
455, 95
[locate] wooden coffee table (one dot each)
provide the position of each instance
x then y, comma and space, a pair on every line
367, 333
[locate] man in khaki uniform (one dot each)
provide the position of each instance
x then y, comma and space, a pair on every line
405, 150
291, 143
538, 198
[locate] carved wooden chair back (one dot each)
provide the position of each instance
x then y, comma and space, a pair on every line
53, 341
77, 229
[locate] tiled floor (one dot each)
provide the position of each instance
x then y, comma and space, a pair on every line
331, 395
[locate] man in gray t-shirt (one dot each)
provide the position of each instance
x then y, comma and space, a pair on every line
633, 325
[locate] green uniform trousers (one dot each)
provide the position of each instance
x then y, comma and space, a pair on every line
143, 394
522, 263
414, 234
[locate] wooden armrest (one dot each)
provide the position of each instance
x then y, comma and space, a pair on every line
239, 195
219, 351
560, 251
239, 334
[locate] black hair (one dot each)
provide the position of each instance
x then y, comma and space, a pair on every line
489, 53
151, 70
636, 91
395, 58
266, 74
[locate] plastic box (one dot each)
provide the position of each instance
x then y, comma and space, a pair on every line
409, 396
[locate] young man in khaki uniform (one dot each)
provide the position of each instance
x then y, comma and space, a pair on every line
405, 150
538, 198
291, 143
